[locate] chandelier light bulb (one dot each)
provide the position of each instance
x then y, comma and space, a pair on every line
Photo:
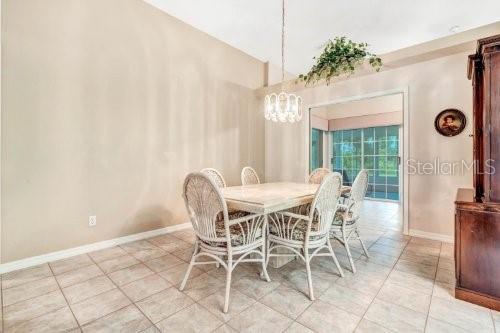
283, 107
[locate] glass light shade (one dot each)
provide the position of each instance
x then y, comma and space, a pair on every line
283, 107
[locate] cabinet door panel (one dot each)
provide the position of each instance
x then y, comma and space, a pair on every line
479, 252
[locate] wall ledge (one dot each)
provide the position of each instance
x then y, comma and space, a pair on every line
58, 255
442, 47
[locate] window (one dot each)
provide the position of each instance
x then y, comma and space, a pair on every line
375, 149
316, 153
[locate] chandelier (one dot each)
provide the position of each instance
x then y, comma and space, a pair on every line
283, 107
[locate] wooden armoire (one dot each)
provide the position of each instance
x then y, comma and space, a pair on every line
477, 215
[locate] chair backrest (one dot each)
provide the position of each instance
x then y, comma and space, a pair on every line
249, 176
204, 203
215, 175
316, 177
358, 192
326, 199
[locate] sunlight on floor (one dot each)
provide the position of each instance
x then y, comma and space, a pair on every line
382, 214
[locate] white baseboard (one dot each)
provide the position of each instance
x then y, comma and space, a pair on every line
41, 259
432, 236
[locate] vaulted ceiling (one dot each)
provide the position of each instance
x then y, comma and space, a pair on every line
254, 26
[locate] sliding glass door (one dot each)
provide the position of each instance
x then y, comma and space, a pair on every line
316, 153
375, 149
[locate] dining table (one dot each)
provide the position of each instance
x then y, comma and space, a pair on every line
267, 198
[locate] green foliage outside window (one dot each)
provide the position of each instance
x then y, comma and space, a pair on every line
375, 149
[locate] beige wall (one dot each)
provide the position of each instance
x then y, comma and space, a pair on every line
370, 120
107, 105
319, 123
273, 74
363, 107
433, 85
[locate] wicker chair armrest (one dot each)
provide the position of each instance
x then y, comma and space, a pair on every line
347, 210
250, 228
244, 219
296, 216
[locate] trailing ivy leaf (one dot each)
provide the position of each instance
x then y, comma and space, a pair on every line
340, 57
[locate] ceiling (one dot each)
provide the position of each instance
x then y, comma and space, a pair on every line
254, 26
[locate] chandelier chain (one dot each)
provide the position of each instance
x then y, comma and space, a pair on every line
283, 107
283, 41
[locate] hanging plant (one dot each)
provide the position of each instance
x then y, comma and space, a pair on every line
340, 57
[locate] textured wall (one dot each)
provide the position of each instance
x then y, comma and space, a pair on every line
107, 105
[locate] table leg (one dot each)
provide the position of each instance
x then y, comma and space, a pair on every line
277, 262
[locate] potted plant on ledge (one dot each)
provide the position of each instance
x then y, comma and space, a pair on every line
340, 56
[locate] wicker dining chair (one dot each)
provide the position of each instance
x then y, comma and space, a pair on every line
302, 234
249, 176
345, 223
219, 237
215, 175
317, 175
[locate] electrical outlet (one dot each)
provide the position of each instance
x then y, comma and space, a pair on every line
92, 221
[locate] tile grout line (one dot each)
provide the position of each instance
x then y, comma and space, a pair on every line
67, 302
382, 285
37, 280
118, 287
226, 322
296, 320
444, 321
104, 274
246, 295
74, 284
220, 326
362, 317
432, 292
134, 303
46, 293
493, 320
1, 286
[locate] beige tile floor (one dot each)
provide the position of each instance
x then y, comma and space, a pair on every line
406, 286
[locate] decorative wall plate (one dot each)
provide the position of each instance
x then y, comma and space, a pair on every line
450, 122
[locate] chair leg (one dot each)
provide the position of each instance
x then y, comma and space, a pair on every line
267, 252
309, 277
346, 245
335, 260
191, 264
267, 255
228, 283
362, 245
